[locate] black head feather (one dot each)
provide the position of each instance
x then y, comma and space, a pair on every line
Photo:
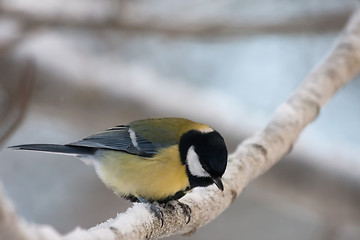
212, 152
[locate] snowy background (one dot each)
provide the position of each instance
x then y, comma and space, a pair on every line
227, 63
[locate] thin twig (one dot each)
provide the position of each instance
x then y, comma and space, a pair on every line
322, 22
18, 103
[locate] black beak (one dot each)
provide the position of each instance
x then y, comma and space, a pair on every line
218, 183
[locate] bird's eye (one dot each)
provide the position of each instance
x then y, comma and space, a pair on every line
206, 168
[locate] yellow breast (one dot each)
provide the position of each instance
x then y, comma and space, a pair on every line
151, 178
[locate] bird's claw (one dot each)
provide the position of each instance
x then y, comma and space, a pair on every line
187, 211
155, 208
184, 207
158, 213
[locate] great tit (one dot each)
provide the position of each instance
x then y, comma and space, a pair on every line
151, 160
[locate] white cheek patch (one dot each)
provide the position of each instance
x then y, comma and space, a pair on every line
194, 164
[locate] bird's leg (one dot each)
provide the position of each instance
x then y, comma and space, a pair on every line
155, 208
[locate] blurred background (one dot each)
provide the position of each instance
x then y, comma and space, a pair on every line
101, 63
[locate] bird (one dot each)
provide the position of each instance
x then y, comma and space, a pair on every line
153, 160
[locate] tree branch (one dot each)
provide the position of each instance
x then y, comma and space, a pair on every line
252, 158
13, 114
327, 20
14, 228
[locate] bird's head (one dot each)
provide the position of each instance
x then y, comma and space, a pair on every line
205, 157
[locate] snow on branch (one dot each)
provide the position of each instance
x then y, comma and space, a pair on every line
252, 158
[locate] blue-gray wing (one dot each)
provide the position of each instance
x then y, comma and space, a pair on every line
121, 138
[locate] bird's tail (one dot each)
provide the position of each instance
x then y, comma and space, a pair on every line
56, 148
